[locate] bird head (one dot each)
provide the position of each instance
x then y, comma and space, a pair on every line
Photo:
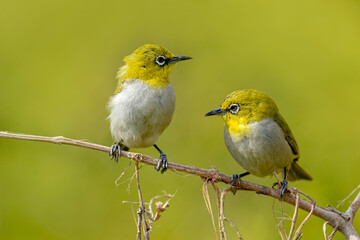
151, 63
242, 107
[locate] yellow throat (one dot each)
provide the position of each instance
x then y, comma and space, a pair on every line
243, 107
150, 63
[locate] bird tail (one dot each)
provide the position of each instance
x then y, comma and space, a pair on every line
296, 172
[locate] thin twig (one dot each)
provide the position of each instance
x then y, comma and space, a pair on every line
354, 206
160, 207
208, 206
121, 175
283, 218
222, 214
294, 218
218, 202
295, 191
343, 201
281, 233
298, 231
131, 203
233, 226
141, 211
332, 233
222, 217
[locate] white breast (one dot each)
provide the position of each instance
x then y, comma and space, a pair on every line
263, 151
140, 113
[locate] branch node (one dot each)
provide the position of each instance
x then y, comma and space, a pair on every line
344, 216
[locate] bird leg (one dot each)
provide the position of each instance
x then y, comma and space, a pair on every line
284, 184
163, 162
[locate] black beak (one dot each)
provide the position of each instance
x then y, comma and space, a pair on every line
178, 59
217, 111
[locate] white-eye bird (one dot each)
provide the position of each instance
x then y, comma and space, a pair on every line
258, 137
144, 100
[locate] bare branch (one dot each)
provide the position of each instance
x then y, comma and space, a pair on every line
333, 218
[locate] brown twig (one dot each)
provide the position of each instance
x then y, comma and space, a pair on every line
298, 232
208, 205
294, 218
141, 211
345, 226
222, 217
221, 205
354, 206
344, 200
218, 202
332, 233
160, 207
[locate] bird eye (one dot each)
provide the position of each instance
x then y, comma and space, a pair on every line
160, 60
234, 108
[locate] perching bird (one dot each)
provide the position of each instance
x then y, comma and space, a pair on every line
258, 137
144, 100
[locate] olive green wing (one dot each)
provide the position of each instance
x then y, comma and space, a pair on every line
288, 135
295, 171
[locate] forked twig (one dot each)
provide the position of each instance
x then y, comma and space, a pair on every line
208, 205
332, 233
298, 232
222, 217
294, 218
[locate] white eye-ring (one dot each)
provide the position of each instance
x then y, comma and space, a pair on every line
160, 60
234, 108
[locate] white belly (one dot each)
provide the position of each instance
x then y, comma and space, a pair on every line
140, 113
264, 149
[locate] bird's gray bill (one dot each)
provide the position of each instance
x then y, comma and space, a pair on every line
217, 111
179, 58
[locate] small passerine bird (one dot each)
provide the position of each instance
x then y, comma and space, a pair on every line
144, 100
258, 137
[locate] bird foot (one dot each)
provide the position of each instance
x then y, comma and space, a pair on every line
162, 163
283, 187
115, 151
235, 177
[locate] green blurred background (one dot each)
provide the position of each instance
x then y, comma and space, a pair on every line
58, 61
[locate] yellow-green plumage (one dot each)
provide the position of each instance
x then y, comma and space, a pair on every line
257, 135
141, 65
255, 106
144, 100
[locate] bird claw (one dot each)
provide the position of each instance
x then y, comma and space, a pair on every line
235, 177
283, 187
162, 163
115, 151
